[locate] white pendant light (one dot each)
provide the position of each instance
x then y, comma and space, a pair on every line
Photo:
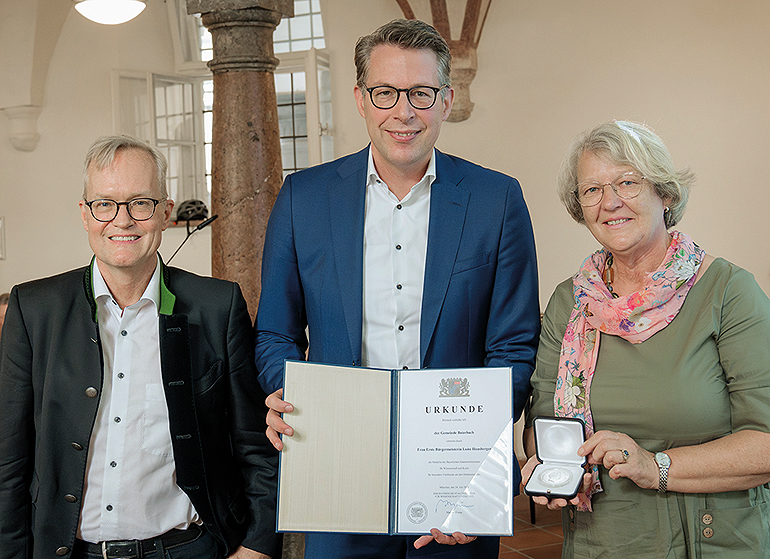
110, 12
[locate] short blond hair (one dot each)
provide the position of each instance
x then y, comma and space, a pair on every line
103, 151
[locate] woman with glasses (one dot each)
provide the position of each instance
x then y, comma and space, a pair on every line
664, 352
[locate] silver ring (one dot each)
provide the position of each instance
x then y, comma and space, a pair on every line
625, 454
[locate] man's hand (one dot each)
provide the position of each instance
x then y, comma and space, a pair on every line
275, 424
245, 553
442, 538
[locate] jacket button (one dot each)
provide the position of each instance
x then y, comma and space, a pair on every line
62, 551
70, 498
707, 519
77, 446
91, 392
708, 532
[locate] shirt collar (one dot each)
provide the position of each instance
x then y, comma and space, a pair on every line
151, 292
430, 173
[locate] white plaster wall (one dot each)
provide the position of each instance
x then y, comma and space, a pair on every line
40, 190
696, 71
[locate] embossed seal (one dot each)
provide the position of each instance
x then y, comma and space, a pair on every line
417, 512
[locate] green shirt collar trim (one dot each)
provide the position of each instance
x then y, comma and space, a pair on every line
167, 298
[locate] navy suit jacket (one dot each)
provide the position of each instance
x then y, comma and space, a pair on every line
480, 296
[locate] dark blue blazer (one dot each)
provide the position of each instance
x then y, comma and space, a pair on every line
480, 295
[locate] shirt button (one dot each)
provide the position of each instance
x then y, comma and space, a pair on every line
708, 532
401, 327
116, 420
77, 446
113, 463
123, 333
707, 519
405, 367
398, 286
398, 207
109, 507
121, 375
91, 392
398, 247
62, 551
70, 498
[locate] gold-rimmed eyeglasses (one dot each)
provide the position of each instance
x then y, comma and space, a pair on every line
626, 186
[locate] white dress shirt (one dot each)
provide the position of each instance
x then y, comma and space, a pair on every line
395, 245
130, 487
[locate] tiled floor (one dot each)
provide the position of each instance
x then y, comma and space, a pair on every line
541, 540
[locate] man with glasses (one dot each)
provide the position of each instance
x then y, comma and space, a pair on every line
398, 256
131, 416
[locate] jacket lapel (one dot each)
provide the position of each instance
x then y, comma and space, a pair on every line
347, 205
448, 206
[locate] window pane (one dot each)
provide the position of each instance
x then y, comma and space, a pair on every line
134, 109
300, 28
285, 120
305, 44
300, 120
301, 7
208, 95
303, 160
318, 28
287, 153
281, 32
283, 84
208, 125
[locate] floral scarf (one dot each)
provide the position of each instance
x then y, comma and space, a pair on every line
635, 318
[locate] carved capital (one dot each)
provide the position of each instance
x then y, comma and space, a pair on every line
285, 7
242, 39
23, 126
464, 67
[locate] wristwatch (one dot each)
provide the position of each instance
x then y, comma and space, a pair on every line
664, 462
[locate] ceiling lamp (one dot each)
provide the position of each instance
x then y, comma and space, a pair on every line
110, 12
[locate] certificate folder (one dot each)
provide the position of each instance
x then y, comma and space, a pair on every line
380, 451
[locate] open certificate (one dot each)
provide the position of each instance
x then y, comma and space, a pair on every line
397, 452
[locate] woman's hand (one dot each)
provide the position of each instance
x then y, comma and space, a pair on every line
622, 457
553, 504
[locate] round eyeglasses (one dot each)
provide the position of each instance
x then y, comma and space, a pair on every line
626, 186
139, 209
420, 96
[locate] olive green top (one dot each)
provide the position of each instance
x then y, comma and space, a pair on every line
703, 376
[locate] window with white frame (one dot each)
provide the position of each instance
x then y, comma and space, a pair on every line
165, 112
176, 113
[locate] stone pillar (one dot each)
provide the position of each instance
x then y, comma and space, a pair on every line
246, 148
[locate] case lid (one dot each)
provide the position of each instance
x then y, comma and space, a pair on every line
557, 439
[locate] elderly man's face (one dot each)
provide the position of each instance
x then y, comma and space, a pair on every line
124, 244
403, 137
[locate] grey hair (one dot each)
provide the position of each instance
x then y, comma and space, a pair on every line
628, 143
405, 34
103, 151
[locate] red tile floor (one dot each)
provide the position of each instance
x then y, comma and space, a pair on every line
541, 540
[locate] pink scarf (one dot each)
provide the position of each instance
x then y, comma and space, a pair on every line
635, 318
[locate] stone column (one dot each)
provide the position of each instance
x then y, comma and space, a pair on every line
246, 147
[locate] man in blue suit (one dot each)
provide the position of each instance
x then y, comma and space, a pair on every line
398, 256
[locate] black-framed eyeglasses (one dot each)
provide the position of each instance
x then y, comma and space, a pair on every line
420, 96
626, 186
139, 209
